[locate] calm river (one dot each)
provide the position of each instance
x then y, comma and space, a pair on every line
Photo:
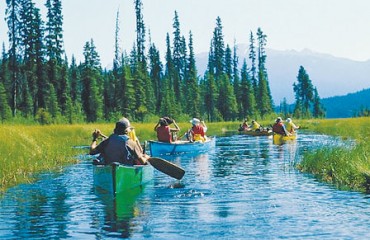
247, 188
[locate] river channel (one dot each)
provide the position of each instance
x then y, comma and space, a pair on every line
247, 188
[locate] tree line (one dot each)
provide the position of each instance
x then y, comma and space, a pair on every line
37, 81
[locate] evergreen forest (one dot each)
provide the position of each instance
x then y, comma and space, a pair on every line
38, 83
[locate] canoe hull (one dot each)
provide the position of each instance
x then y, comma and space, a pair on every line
180, 147
280, 139
118, 178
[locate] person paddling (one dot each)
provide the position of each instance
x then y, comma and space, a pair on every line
164, 132
198, 130
244, 126
291, 127
279, 127
255, 126
118, 147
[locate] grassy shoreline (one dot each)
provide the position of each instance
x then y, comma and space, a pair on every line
29, 150
347, 168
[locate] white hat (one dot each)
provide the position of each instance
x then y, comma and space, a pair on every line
195, 121
288, 120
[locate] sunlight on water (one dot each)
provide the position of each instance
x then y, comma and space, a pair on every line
247, 188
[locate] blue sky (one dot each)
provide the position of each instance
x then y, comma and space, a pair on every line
337, 27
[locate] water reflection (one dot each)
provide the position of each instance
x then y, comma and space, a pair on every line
119, 211
38, 210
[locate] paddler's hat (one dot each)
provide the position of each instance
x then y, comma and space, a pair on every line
123, 126
195, 121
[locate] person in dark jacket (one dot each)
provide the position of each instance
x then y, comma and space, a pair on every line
118, 147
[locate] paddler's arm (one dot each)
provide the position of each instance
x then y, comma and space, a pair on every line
204, 126
177, 128
156, 126
286, 131
95, 147
136, 150
94, 142
143, 159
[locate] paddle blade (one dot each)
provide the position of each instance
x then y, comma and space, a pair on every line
167, 167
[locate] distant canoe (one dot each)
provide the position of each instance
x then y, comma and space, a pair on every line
180, 147
280, 139
117, 178
257, 133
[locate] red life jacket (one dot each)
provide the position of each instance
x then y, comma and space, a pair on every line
278, 128
164, 134
197, 129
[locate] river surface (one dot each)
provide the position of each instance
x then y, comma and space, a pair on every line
247, 188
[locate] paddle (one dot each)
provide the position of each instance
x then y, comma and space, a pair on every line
179, 138
167, 167
162, 165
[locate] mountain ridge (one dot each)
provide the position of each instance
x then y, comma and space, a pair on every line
348, 105
332, 76
343, 84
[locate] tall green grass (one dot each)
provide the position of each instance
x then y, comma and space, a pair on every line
32, 149
344, 167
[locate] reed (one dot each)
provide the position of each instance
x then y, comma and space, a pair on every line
27, 150
346, 167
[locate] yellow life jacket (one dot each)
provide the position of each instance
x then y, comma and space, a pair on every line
198, 137
132, 135
255, 126
289, 127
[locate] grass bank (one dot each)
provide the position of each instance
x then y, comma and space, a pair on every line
347, 168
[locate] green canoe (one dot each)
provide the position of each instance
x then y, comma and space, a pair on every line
117, 178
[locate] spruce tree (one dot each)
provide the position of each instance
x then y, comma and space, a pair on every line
12, 18
218, 50
252, 57
192, 88
155, 74
304, 94
126, 96
140, 33
177, 58
5, 75
5, 111
247, 99
91, 96
226, 99
235, 76
228, 63
264, 98
52, 103
75, 81
209, 93
168, 91
318, 110
117, 55
54, 46
54, 30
